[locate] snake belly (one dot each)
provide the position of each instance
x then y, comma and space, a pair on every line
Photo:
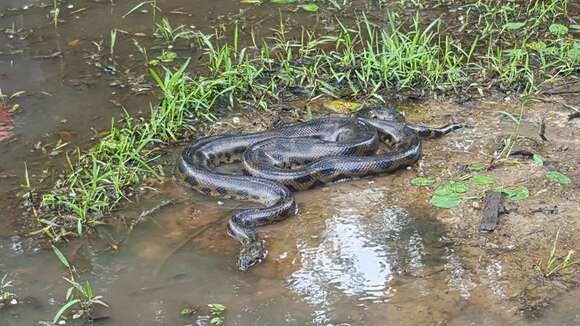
327, 150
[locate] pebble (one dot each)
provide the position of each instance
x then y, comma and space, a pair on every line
219, 202
13, 301
236, 120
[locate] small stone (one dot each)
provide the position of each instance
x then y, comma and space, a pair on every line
62, 322
236, 120
219, 202
13, 301
70, 6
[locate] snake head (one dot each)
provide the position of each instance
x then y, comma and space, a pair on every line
252, 253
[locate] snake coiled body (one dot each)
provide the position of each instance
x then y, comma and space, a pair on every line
297, 157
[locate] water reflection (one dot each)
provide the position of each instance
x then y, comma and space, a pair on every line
365, 245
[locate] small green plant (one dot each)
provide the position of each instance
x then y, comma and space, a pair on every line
217, 313
514, 193
6, 287
27, 186
554, 264
113, 42
152, 4
422, 181
510, 141
538, 160
558, 177
482, 180
449, 195
80, 296
170, 34
55, 12
164, 57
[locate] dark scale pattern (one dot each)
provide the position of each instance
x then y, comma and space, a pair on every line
325, 150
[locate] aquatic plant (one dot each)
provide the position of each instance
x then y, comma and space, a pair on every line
6, 287
217, 313
80, 296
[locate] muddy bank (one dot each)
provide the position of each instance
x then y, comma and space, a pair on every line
361, 248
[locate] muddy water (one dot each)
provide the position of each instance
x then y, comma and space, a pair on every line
359, 253
347, 256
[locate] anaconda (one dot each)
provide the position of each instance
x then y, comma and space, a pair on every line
325, 150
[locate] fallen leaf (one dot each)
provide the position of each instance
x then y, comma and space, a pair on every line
514, 193
310, 7
74, 42
447, 201
341, 106
482, 180
558, 177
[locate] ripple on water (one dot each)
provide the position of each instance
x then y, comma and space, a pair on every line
363, 248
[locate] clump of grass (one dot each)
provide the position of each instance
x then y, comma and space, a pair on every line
113, 42
55, 12
100, 178
6, 286
555, 264
217, 314
171, 34
80, 296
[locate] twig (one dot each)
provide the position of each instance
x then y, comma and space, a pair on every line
574, 115
50, 56
180, 245
146, 213
154, 209
161, 286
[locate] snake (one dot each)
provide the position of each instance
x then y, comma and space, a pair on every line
296, 157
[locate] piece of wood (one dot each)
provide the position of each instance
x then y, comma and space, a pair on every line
492, 208
574, 115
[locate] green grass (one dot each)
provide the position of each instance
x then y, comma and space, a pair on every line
217, 314
6, 287
363, 62
80, 296
101, 177
555, 264
170, 34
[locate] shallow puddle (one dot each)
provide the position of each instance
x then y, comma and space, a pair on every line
337, 262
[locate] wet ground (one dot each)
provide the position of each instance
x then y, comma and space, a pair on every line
367, 252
